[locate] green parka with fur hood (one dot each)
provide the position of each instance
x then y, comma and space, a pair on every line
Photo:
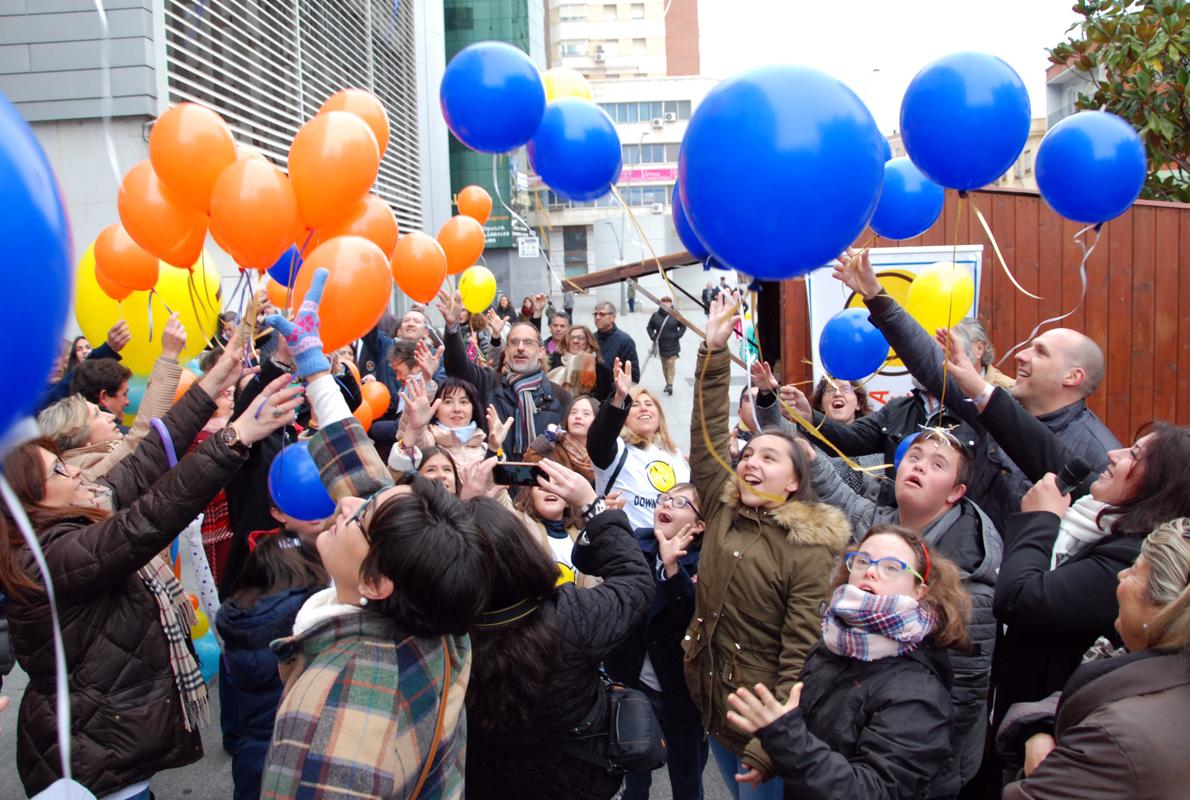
762, 576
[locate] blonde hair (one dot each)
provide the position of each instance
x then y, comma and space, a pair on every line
67, 422
1167, 551
661, 437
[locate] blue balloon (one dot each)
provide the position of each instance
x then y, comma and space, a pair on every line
136, 392
909, 202
686, 234
492, 97
851, 347
965, 119
903, 448
295, 486
38, 269
780, 170
207, 649
1091, 166
286, 268
576, 151
886, 148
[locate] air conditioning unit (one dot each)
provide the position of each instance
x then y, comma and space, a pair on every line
671, 116
658, 208
599, 58
658, 122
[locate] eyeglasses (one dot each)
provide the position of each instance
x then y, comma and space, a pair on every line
603, 314
885, 567
360, 513
838, 388
523, 343
678, 501
60, 469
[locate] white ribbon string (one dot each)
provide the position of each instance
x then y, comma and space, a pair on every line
544, 249
105, 85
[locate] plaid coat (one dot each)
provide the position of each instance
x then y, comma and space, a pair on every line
361, 697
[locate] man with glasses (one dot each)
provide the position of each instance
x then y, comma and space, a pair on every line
521, 390
930, 490
614, 342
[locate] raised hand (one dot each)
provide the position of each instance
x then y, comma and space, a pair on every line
302, 335
538, 301
762, 376
427, 360
566, 483
622, 378
476, 479
855, 271
173, 338
119, 335
497, 430
751, 712
722, 318
272, 410
418, 408
230, 367
960, 366
450, 305
670, 550
796, 399
615, 499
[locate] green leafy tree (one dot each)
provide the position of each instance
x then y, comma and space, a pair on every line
1136, 56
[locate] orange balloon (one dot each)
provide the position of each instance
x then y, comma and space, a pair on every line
277, 293
462, 239
254, 212
356, 293
190, 146
112, 289
419, 266
377, 396
354, 370
365, 106
123, 261
332, 162
185, 381
475, 202
157, 221
370, 218
365, 415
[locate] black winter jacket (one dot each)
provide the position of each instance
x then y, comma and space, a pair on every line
617, 344
126, 720
591, 622
877, 730
666, 331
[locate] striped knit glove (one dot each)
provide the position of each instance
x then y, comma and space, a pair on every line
302, 334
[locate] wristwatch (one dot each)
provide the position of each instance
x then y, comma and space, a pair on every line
231, 438
596, 506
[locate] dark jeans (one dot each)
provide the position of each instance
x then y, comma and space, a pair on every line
686, 755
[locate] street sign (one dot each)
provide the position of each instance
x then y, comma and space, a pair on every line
528, 247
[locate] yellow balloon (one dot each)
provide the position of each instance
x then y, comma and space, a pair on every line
477, 286
563, 82
940, 296
201, 625
197, 307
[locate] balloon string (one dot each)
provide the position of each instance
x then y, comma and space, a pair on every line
562, 280
105, 81
640, 231
149, 311
1080, 240
954, 254
996, 248
293, 268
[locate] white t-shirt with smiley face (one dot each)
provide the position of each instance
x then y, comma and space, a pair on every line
647, 472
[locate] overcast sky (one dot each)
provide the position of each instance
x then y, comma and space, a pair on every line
850, 38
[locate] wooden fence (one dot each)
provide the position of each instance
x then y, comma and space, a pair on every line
1138, 282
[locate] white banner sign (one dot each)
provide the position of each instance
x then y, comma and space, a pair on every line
528, 247
895, 267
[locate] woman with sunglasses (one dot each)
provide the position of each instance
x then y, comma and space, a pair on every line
650, 659
871, 715
136, 693
378, 664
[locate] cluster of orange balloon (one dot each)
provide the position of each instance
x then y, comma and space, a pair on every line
376, 401
421, 263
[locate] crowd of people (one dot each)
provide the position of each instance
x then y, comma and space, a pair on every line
528, 590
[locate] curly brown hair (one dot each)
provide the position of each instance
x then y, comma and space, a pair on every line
945, 595
862, 406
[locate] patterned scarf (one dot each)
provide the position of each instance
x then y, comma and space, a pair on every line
177, 618
523, 429
869, 627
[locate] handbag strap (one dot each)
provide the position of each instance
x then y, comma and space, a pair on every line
611, 481
425, 771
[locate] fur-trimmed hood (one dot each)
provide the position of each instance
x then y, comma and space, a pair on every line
807, 523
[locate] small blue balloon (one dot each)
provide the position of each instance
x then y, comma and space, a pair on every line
39, 271
903, 448
780, 170
850, 347
492, 97
295, 486
576, 151
909, 202
1091, 166
965, 119
207, 649
686, 234
285, 270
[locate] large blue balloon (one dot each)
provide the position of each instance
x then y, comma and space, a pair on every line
576, 151
286, 268
686, 234
851, 347
492, 97
780, 170
295, 486
38, 270
965, 119
909, 202
1091, 166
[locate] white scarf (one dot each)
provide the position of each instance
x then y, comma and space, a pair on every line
1080, 529
320, 607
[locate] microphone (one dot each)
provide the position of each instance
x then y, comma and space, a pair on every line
1073, 474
